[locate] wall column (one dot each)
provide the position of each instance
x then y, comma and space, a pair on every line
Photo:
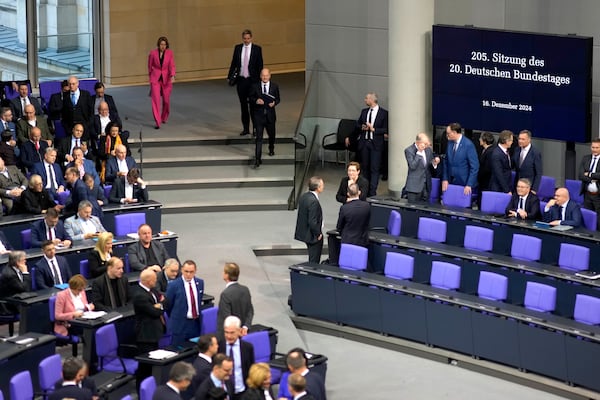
409, 81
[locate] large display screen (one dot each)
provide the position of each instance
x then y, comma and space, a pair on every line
494, 80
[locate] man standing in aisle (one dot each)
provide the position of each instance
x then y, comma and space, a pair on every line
309, 222
461, 163
527, 161
589, 174
246, 64
419, 157
235, 300
264, 96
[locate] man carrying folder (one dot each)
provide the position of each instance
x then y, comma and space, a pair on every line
265, 95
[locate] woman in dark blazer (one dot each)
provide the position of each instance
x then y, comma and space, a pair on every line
100, 254
258, 383
161, 73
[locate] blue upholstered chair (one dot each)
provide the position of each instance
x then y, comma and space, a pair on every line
525, 247
60, 339
128, 223
574, 257
492, 286
49, 372
147, 388
590, 219
107, 346
547, 187
454, 197
431, 230
540, 297
399, 266
445, 275
478, 238
494, 202
209, 320
587, 309
353, 257
21, 386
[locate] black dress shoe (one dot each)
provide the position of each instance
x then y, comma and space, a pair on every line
244, 133
256, 164
156, 127
271, 153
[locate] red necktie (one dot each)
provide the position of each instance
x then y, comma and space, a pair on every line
37, 146
50, 234
193, 301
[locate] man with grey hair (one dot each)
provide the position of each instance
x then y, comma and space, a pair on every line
12, 185
241, 352
309, 223
420, 160
83, 225
180, 377
169, 272
15, 277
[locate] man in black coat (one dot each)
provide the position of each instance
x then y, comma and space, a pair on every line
264, 96
500, 180
149, 326
524, 204
73, 372
219, 378
14, 277
296, 363
527, 161
240, 351
180, 377
589, 174
235, 300
77, 106
246, 63
170, 271
353, 220
207, 349
111, 289
309, 222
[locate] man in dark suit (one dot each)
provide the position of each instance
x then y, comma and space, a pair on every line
100, 97
419, 157
486, 142
180, 377
104, 116
50, 228
461, 163
296, 363
561, 211
353, 220
524, 204
264, 96
220, 377
14, 277
51, 269
235, 300
55, 104
7, 124
373, 124
129, 189
111, 289
589, 174
500, 180
77, 106
119, 165
240, 351
297, 387
353, 176
207, 349
527, 161
18, 103
12, 185
33, 150
169, 272
79, 137
246, 63
149, 321
309, 222
185, 321
147, 252
30, 121
52, 176
79, 192
72, 377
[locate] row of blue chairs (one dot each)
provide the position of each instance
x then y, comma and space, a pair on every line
492, 286
523, 247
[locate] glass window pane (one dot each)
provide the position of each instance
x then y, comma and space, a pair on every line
13, 51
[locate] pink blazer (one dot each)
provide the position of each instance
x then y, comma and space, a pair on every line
154, 69
64, 309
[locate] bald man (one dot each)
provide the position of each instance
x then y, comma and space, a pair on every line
119, 165
30, 120
421, 162
77, 106
264, 96
34, 149
562, 211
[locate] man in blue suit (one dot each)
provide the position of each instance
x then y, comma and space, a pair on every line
185, 321
52, 177
373, 126
51, 269
461, 163
500, 179
527, 161
49, 228
561, 211
119, 165
79, 192
6, 124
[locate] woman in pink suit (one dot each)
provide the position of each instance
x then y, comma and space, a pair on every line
70, 303
161, 71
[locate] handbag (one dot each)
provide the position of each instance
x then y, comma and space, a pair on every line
232, 79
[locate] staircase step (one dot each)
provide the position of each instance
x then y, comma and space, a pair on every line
223, 199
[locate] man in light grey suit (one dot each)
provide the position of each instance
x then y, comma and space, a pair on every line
83, 225
420, 159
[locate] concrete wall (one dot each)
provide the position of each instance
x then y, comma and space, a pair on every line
201, 33
349, 39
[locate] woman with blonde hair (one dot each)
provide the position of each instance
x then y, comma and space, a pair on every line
70, 303
258, 383
99, 256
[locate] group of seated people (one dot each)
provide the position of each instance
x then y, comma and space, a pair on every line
36, 169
